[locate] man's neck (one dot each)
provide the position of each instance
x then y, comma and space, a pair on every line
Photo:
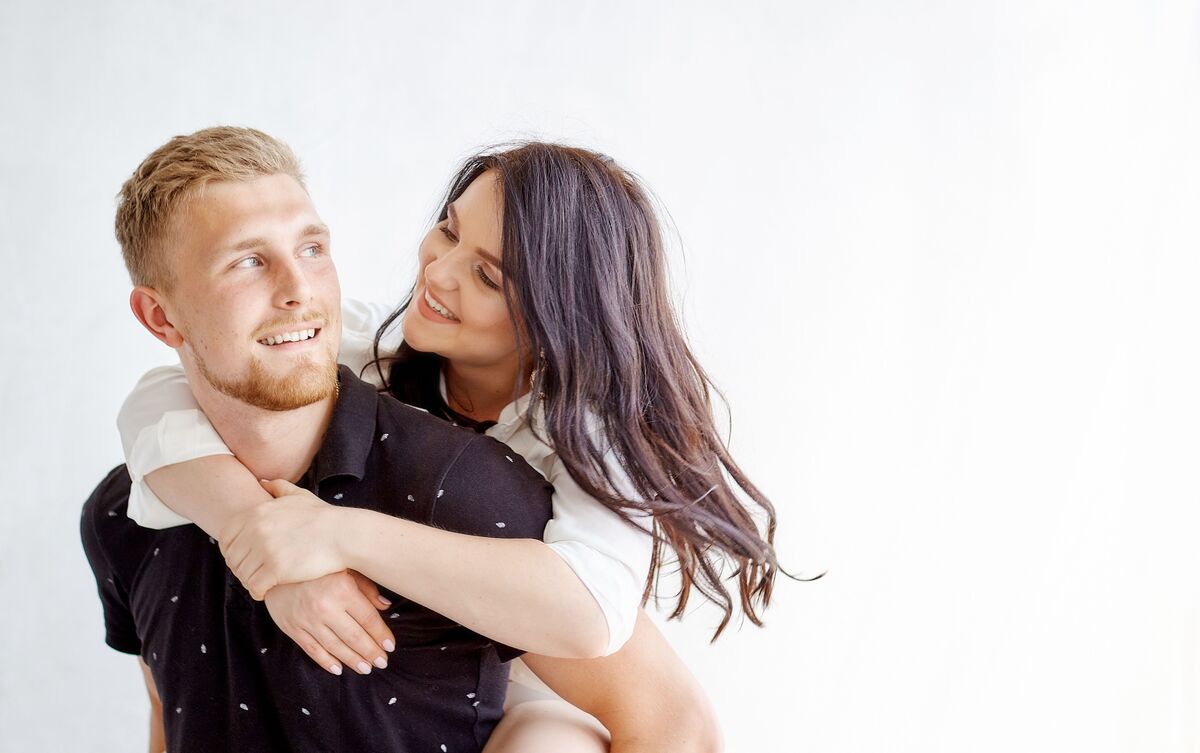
272, 444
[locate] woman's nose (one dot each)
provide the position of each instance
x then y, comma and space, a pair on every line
440, 270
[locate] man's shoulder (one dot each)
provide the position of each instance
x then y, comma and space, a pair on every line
404, 421
110, 498
480, 485
109, 537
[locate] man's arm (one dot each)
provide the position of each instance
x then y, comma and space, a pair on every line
643, 694
158, 740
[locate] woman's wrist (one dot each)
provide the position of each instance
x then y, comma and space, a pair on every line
350, 530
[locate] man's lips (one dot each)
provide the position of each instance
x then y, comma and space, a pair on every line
293, 334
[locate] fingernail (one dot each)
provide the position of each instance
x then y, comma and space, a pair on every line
364, 668
389, 645
385, 601
335, 668
264, 481
381, 662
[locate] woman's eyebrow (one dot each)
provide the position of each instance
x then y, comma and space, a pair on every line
487, 255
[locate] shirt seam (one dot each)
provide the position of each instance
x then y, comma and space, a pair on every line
441, 483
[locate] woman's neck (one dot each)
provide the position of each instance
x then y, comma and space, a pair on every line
481, 392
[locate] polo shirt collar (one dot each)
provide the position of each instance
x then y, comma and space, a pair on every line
351, 432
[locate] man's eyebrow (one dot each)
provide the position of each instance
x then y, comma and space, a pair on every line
252, 243
494, 261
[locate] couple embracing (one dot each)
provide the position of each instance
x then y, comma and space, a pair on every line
444, 541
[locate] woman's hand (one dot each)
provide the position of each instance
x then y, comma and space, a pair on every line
334, 620
289, 540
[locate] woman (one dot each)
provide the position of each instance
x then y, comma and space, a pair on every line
540, 316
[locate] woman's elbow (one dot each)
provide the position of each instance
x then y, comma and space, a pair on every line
685, 722
698, 730
587, 642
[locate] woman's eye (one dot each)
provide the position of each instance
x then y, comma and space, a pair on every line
449, 235
484, 278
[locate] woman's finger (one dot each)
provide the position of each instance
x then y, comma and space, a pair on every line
236, 553
249, 584
261, 580
370, 621
367, 587
315, 650
359, 640
330, 641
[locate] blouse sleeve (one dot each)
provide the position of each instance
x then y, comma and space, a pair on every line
610, 556
160, 425
360, 320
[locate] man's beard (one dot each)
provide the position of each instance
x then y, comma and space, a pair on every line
309, 382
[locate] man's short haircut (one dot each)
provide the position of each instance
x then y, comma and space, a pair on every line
151, 200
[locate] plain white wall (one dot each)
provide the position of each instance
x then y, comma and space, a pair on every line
941, 256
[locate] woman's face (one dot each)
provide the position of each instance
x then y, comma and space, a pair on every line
458, 308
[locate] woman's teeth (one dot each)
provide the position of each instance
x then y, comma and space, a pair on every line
289, 337
438, 307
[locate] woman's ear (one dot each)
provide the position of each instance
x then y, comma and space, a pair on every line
148, 307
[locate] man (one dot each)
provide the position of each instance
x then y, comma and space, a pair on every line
232, 266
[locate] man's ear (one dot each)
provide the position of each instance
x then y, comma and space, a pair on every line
148, 307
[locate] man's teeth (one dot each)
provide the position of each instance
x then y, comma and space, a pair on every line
289, 337
438, 307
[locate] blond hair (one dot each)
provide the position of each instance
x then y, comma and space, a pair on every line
166, 180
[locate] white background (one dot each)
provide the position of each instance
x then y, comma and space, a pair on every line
941, 256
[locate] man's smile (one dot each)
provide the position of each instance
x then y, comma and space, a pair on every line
290, 336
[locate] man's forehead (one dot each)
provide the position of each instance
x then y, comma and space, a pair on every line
234, 214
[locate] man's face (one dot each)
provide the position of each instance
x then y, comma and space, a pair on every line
256, 296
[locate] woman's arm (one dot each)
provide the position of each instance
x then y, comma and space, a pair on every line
518, 592
174, 453
542, 599
161, 426
515, 591
534, 601
210, 491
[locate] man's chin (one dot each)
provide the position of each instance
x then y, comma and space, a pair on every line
307, 384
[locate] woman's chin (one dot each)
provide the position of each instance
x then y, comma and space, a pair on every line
416, 333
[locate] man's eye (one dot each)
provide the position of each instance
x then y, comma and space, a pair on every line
311, 251
249, 262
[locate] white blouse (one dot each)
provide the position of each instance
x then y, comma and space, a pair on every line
161, 424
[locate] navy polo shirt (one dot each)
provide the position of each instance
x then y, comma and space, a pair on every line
229, 679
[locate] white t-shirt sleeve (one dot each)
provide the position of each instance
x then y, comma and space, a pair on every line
360, 320
160, 425
609, 555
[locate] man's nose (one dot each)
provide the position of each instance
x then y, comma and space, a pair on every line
292, 288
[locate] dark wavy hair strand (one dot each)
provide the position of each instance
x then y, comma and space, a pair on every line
585, 282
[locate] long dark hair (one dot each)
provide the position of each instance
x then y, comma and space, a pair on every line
585, 277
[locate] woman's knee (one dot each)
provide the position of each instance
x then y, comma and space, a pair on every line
547, 727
